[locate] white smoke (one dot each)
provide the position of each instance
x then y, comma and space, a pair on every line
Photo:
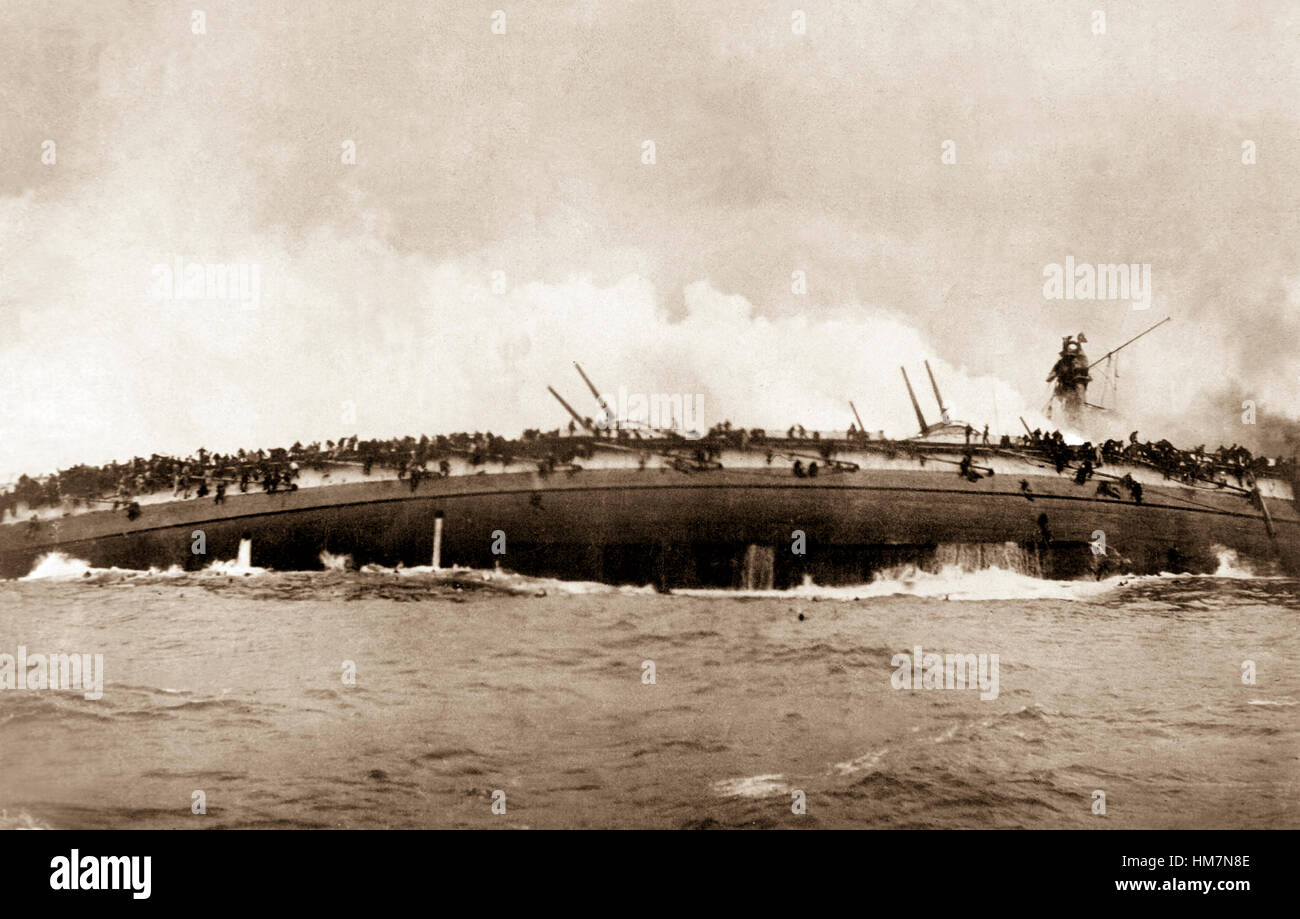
378, 313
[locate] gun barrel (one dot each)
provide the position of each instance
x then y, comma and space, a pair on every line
861, 427
604, 407
937, 398
916, 406
569, 408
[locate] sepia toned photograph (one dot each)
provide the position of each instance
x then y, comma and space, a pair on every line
648, 414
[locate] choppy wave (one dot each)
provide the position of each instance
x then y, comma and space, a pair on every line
864, 763
750, 704
20, 821
754, 786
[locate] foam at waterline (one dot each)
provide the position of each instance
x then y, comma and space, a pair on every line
58, 566
950, 583
227, 568
508, 578
55, 566
334, 562
1230, 566
1007, 556
242, 565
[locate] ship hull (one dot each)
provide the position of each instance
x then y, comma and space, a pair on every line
672, 529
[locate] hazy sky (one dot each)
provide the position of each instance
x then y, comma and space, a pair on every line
522, 153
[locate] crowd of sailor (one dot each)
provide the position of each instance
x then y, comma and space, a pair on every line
1190, 467
204, 474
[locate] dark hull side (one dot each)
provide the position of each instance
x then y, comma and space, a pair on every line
675, 529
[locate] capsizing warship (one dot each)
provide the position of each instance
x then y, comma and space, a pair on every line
732, 508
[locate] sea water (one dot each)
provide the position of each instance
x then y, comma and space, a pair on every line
237, 697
